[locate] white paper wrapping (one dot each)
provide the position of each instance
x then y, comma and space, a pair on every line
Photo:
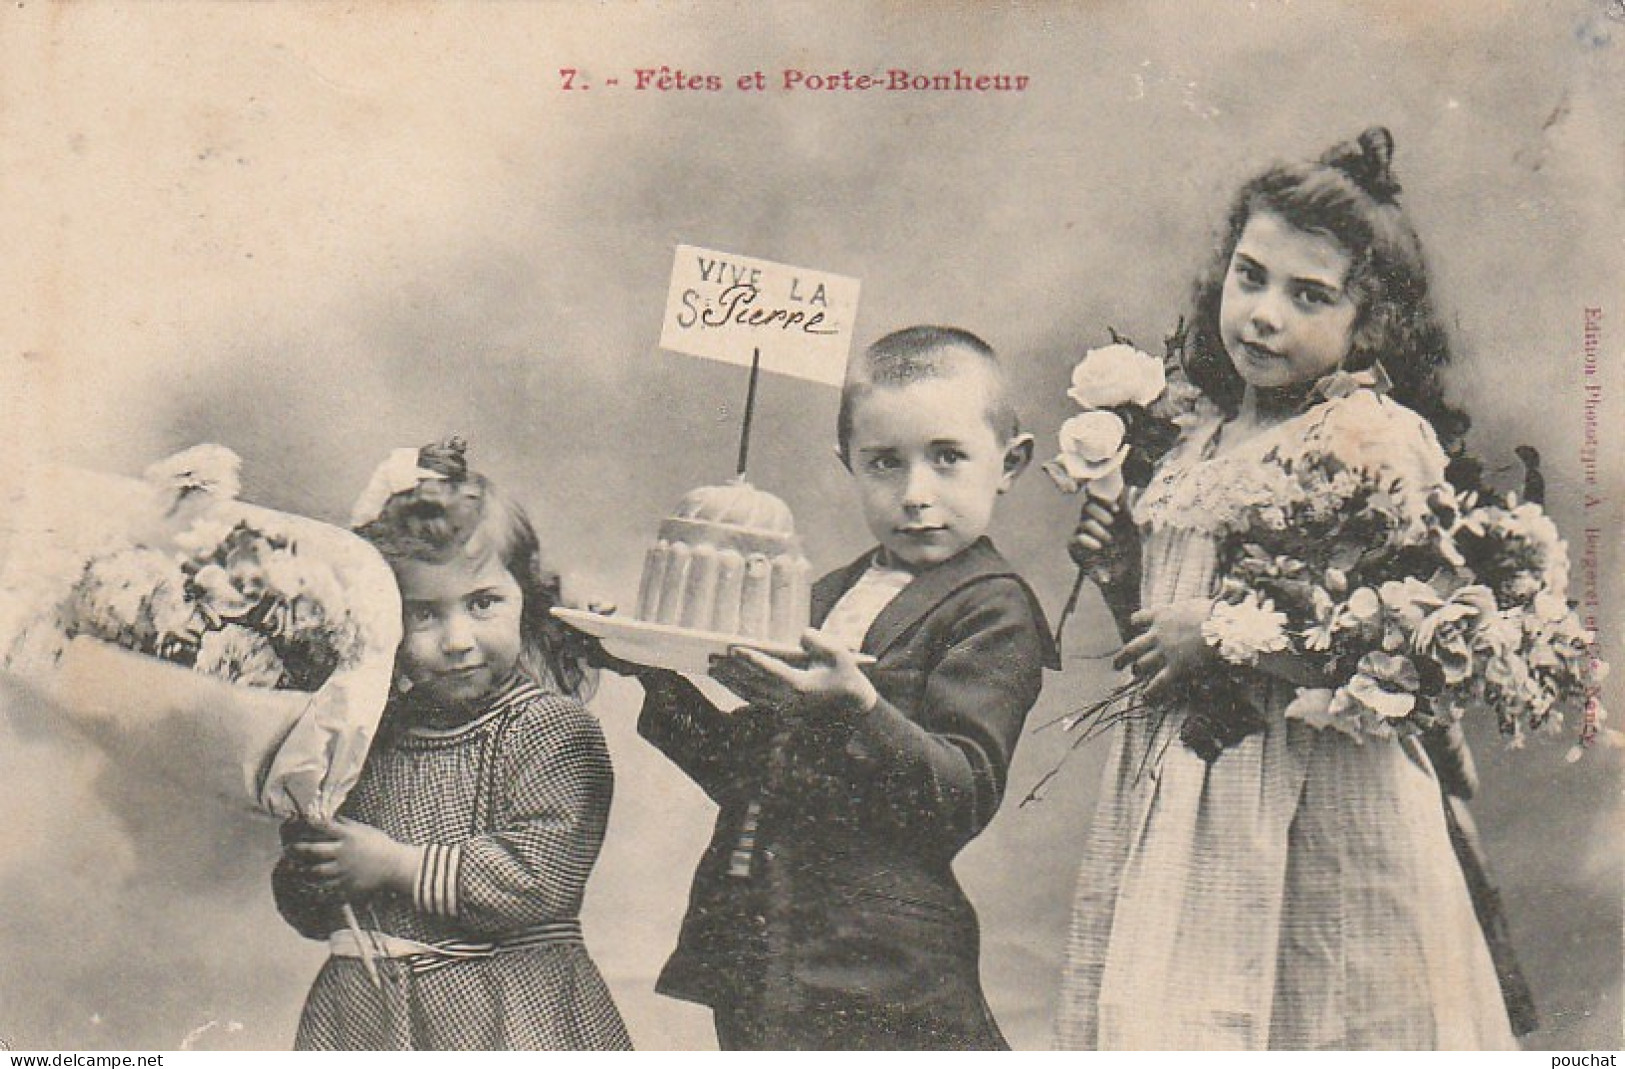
288, 752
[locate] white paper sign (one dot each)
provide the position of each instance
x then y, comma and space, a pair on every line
721, 307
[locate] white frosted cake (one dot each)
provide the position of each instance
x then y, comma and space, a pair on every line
728, 560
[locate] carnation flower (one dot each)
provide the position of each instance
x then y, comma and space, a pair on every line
244, 553
1243, 630
210, 468
173, 616
239, 655
1117, 375
113, 599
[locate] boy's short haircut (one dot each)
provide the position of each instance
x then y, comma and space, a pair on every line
914, 354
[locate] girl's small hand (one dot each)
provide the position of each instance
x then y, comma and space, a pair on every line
1106, 543
1094, 534
357, 859
1169, 647
299, 830
831, 679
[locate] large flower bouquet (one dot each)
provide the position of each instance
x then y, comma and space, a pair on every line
234, 602
1411, 606
1415, 611
230, 649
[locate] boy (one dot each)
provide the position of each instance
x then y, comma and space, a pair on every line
825, 913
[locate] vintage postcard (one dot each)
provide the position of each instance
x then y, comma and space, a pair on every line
626, 251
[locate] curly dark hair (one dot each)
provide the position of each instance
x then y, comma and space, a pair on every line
1350, 196
465, 512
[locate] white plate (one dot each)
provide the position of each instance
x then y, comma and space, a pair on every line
676, 648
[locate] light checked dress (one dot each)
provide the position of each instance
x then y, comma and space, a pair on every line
1300, 892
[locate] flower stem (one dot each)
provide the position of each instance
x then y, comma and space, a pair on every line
367, 961
1071, 603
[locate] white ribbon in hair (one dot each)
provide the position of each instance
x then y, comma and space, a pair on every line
398, 473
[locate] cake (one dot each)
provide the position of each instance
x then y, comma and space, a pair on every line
728, 561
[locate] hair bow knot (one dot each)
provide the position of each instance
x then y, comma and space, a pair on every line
401, 471
1368, 161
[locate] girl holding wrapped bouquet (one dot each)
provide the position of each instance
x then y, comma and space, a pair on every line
465, 847
1254, 877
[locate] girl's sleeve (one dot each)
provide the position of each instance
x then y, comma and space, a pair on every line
1384, 437
552, 793
943, 775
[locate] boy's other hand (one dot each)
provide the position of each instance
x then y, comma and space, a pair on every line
831, 679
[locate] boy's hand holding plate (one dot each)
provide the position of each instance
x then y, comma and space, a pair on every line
829, 676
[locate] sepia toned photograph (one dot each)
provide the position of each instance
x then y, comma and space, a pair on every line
839, 526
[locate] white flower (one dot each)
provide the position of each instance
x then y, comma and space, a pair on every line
201, 540
1391, 705
239, 655
1447, 634
1362, 610
1409, 597
1092, 455
1385, 684
397, 474
218, 596
113, 598
1317, 635
173, 616
212, 468
1550, 608
1406, 603
1321, 708
1244, 630
1117, 375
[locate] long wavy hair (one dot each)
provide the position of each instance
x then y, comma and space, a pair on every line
1350, 196
465, 513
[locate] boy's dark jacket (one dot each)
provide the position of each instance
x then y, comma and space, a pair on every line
850, 905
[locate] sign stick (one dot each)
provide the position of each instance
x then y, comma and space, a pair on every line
750, 408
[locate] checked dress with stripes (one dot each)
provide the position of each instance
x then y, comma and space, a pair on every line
510, 806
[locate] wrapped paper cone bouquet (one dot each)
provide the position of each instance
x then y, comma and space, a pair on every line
233, 650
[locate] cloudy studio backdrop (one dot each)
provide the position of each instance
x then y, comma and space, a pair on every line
315, 234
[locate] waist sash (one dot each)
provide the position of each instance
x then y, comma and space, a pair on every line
422, 957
